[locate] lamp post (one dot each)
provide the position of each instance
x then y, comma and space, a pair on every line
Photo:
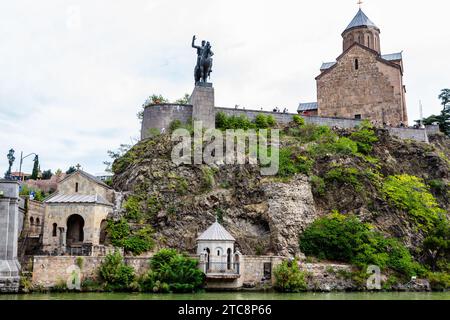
21, 161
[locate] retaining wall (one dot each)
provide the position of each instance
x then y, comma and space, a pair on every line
160, 116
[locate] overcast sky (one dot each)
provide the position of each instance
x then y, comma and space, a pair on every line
73, 74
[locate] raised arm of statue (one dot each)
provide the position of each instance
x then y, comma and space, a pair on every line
193, 43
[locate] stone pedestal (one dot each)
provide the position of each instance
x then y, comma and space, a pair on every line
9, 234
202, 100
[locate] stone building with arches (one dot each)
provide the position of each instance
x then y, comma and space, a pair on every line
225, 267
75, 216
362, 83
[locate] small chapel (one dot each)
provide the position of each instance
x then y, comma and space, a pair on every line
362, 83
75, 215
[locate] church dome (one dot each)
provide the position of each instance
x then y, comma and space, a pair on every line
362, 30
361, 21
216, 233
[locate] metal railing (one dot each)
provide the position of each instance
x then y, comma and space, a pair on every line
220, 267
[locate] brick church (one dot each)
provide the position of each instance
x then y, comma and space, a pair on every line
362, 83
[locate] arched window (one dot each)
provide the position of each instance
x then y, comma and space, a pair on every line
38, 222
76, 187
55, 226
356, 64
361, 38
31, 221
368, 41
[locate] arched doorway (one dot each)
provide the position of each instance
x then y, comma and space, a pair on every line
103, 226
75, 233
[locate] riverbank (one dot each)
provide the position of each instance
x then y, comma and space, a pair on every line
234, 296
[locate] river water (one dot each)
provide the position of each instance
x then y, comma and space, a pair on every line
231, 296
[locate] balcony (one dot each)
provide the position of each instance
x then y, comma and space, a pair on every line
220, 270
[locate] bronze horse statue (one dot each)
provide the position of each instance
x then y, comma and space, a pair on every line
203, 68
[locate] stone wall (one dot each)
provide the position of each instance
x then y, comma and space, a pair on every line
85, 187
326, 277
160, 116
49, 271
9, 234
34, 219
163, 120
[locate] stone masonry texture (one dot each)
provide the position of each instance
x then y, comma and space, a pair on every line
9, 233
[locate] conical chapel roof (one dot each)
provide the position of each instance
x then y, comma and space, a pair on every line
216, 232
361, 20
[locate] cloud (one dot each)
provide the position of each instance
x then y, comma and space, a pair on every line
73, 74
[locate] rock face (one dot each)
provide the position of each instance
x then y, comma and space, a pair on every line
290, 209
266, 214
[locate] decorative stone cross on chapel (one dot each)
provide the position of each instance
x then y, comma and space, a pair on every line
78, 167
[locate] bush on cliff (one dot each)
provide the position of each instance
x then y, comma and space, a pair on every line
347, 239
172, 272
412, 194
136, 242
290, 164
365, 137
289, 277
115, 274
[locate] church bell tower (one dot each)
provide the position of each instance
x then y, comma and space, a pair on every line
363, 31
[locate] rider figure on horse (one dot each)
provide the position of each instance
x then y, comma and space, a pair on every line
204, 60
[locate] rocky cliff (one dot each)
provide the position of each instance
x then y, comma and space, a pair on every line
266, 214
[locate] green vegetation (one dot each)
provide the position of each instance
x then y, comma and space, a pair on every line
298, 120
345, 176
311, 133
289, 164
411, 194
346, 239
132, 206
334, 145
47, 174
136, 242
172, 272
35, 172
39, 195
174, 125
224, 122
207, 178
184, 100
289, 277
443, 120
439, 281
318, 185
364, 137
115, 274
436, 245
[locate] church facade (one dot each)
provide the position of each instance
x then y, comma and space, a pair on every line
362, 83
75, 215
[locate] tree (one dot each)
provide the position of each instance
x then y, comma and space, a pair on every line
35, 173
114, 155
184, 100
47, 175
445, 97
71, 170
444, 123
153, 99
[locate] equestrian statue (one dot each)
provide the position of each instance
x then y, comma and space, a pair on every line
203, 67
